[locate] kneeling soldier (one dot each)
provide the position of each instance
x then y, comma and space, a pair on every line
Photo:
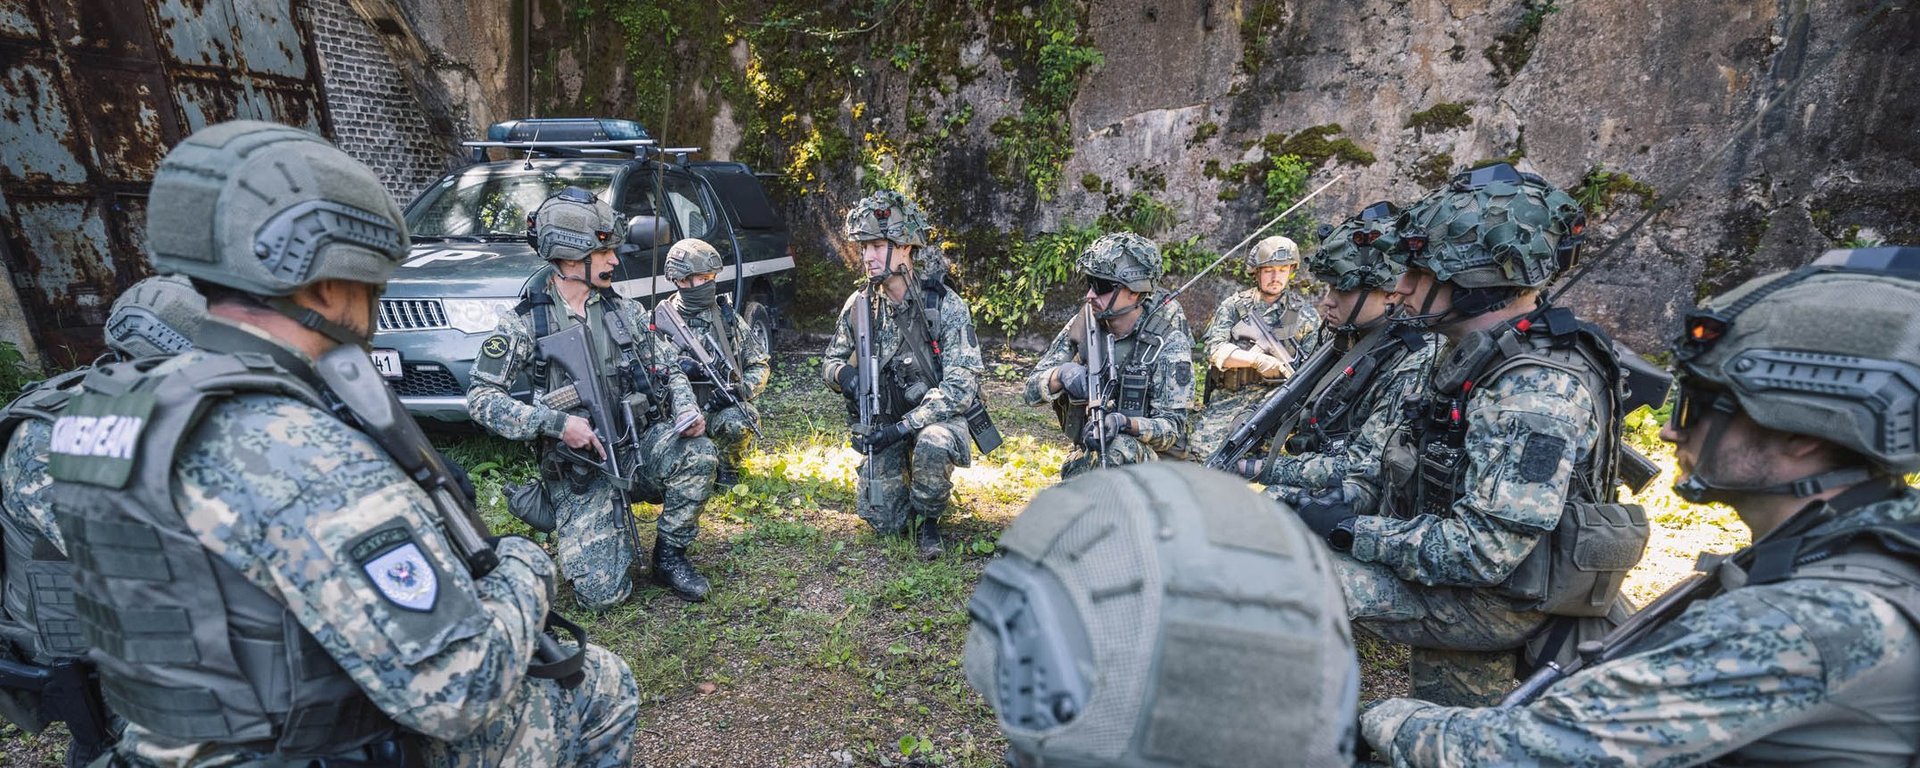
727, 365
1257, 337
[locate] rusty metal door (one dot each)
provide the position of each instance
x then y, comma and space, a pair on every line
92, 94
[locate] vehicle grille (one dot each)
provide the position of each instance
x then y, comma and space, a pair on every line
427, 380
411, 315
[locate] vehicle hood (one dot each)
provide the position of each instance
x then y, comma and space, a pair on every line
463, 270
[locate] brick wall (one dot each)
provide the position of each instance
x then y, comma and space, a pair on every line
376, 116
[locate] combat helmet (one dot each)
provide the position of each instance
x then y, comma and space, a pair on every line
886, 215
1162, 614
1124, 258
265, 209
1830, 350
571, 224
1353, 255
691, 256
156, 316
1492, 227
1275, 251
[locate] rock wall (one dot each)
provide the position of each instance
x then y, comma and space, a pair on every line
1616, 99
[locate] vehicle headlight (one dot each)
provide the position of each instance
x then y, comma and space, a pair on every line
476, 315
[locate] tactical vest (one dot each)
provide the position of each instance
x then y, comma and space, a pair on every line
1578, 567
1128, 373
1285, 333
188, 648
715, 324
914, 367
38, 589
1333, 413
614, 345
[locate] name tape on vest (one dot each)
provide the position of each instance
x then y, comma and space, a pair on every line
97, 438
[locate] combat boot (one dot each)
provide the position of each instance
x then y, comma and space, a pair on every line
725, 476
926, 538
672, 569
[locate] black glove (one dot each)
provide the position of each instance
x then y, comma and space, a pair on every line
848, 378
718, 400
1115, 423
460, 476
1323, 512
1073, 380
690, 368
879, 439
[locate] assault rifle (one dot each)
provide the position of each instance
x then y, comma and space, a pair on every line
1284, 403
572, 352
68, 693
868, 385
1255, 331
1099, 354
665, 316
364, 398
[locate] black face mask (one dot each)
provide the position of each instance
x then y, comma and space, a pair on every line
698, 298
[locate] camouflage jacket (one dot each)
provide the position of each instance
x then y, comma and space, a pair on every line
750, 352
1526, 431
505, 354
958, 350
1164, 427
1291, 317
1374, 412
281, 490
1810, 670
23, 477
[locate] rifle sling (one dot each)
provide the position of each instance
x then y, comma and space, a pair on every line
1365, 345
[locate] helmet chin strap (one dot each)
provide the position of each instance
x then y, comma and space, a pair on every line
1698, 489
1352, 323
1110, 313
314, 321
1426, 317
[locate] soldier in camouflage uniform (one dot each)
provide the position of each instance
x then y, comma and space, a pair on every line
929, 377
155, 316
226, 527
1143, 388
1795, 403
1256, 338
736, 353
1382, 364
1450, 549
1163, 615
669, 460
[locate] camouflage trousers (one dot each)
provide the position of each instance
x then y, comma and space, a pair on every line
590, 725
1121, 451
914, 476
727, 428
598, 539
1465, 641
1214, 422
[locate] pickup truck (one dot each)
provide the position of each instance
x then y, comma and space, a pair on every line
471, 257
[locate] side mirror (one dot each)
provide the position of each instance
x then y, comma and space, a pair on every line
645, 232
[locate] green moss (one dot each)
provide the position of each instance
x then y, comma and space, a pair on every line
1090, 182
1211, 169
1431, 170
1261, 22
1319, 143
1445, 116
1513, 48
1229, 193
1599, 189
1203, 132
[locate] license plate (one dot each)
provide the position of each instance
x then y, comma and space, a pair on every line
387, 362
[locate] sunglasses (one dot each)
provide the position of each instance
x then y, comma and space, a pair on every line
1693, 400
1102, 286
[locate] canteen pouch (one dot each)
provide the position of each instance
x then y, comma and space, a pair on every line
1578, 567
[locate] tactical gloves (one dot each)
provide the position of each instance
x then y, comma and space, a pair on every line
1270, 367
880, 439
848, 378
1073, 380
1329, 515
1108, 426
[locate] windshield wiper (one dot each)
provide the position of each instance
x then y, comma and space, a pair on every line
503, 237
445, 238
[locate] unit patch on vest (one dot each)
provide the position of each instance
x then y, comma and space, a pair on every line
1540, 457
494, 346
96, 438
398, 569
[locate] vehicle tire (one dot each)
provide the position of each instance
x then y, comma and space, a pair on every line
760, 324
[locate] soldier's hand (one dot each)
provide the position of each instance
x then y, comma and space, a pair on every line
1248, 468
579, 435
882, 438
1270, 367
1071, 378
848, 377
1323, 512
1111, 424
697, 428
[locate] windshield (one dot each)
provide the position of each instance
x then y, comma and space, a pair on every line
492, 201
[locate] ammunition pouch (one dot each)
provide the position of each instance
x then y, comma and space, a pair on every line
1578, 567
1235, 379
1072, 415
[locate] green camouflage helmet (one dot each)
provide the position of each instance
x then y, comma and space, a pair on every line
265, 209
1353, 255
691, 256
571, 224
1124, 258
1273, 251
156, 316
930, 264
886, 215
1831, 351
1163, 614
1492, 227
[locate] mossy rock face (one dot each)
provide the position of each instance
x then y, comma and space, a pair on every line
1431, 170
1445, 116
